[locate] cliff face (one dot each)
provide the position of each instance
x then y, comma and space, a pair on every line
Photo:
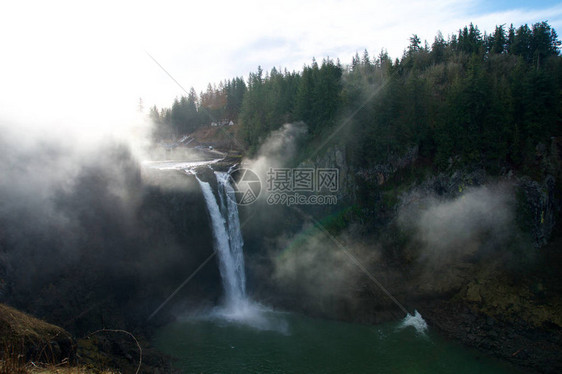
538, 197
476, 254
540, 207
336, 157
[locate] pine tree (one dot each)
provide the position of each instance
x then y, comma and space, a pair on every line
499, 40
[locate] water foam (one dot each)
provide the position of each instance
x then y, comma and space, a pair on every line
416, 321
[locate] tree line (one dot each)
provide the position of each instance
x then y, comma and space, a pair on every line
473, 97
216, 104
481, 99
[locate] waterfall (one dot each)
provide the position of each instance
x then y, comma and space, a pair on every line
229, 209
227, 241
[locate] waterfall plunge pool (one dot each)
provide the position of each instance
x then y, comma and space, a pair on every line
242, 336
292, 343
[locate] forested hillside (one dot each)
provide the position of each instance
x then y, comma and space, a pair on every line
473, 98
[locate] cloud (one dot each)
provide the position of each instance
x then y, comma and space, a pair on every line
448, 230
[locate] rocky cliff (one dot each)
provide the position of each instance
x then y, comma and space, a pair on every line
477, 253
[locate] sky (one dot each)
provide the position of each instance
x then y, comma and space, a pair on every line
83, 66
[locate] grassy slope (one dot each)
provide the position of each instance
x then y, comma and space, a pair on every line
30, 345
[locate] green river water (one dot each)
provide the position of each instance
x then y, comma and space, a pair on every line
290, 343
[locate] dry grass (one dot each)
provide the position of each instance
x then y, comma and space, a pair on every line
18, 326
23, 339
16, 365
31, 346
69, 370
